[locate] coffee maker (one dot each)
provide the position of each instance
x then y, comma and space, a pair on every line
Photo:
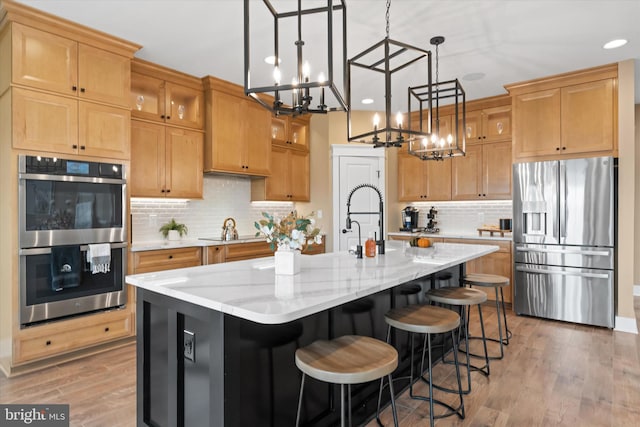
409, 219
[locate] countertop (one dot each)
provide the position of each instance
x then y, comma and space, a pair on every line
456, 235
250, 289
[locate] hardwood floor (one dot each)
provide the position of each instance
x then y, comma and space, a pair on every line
553, 374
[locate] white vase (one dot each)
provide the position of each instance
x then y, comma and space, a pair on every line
287, 261
173, 235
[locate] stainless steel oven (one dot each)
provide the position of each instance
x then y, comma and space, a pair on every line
66, 207
70, 202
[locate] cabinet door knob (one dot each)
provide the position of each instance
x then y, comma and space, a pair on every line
564, 148
48, 342
74, 88
168, 190
82, 89
74, 146
162, 116
170, 256
106, 329
557, 148
168, 117
82, 147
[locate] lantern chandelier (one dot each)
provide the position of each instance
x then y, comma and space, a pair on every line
445, 139
409, 61
303, 94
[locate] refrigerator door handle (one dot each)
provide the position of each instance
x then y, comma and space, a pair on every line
563, 251
561, 273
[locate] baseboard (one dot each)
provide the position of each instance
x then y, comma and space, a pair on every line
626, 324
636, 291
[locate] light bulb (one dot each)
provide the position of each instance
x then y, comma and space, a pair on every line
306, 71
277, 75
399, 119
434, 138
449, 139
424, 142
376, 120
321, 78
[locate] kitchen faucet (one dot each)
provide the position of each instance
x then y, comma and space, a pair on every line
380, 213
358, 251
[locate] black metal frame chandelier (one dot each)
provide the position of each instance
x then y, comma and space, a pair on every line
438, 146
403, 56
304, 94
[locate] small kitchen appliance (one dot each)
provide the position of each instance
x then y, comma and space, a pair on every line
431, 225
229, 231
409, 219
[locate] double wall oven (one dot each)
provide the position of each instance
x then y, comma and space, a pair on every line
67, 207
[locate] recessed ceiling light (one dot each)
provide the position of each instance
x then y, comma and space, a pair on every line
367, 101
271, 60
614, 44
473, 76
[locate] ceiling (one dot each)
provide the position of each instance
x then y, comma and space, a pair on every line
500, 41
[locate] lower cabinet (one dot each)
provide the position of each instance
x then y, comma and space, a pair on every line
240, 251
61, 337
499, 263
166, 259
214, 255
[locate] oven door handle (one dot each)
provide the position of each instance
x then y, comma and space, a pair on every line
83, 248
71, 178
562, 273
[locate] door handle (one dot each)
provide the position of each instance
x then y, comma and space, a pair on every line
562, 273
563, 251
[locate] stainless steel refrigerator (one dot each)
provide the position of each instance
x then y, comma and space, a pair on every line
564, 223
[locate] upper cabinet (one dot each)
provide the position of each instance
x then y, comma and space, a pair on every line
484, 173
167, 138
67, 86
290, 131
488, 125
238, 131
569, 115
166, 96
423, 180
47, 61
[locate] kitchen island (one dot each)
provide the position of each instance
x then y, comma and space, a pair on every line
216, 342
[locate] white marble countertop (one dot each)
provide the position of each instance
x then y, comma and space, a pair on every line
185, 243
456, 235
251, 290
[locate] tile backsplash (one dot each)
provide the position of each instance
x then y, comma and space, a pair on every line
465, 217
223, 196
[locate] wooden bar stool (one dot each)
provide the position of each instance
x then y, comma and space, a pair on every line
496, 282
427, 320
464, 298
350, 359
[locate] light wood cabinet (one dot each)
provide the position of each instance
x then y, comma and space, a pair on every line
488, 125
165, 161
167, 96
53, 339
499, 263
249, 250
423, 180
215, 255
566, 116
166, 259
238, 131
290, 131
289, 180
46, 122
47, 61
484, 173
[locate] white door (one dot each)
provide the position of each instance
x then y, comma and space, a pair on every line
364, 166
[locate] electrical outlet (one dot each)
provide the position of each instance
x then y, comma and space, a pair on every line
189, 342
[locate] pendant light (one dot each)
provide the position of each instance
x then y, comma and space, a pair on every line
445, 138
387, 59
308, 66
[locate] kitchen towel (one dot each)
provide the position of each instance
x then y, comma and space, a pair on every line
99, 257
65, 267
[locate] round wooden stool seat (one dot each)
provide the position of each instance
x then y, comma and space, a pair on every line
423, 319
350, 359
455, 295
486, 280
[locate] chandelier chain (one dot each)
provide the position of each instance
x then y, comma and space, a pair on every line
387, 17
437, 65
